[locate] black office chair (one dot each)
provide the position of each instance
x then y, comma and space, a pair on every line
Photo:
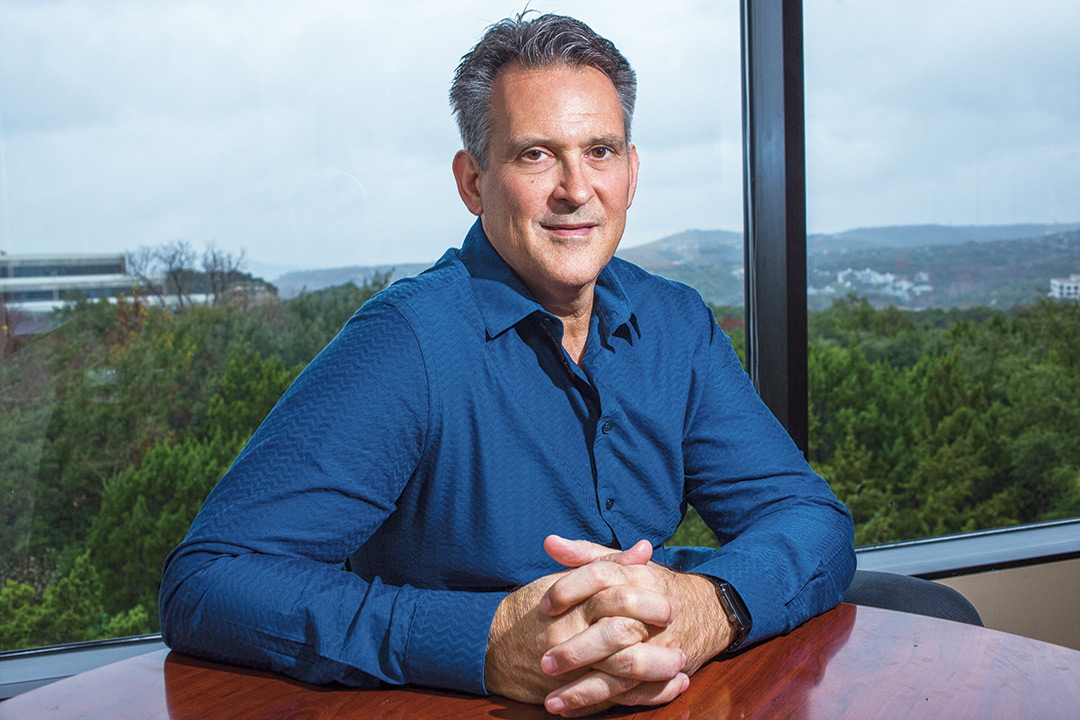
910, 594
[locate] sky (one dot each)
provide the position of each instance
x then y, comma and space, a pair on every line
319, 134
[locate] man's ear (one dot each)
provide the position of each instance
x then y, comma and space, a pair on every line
467, 174
633, 158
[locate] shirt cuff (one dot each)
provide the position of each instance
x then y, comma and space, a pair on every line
768, 614
448, 639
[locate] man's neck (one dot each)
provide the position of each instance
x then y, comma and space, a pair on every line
576, 333
575, 311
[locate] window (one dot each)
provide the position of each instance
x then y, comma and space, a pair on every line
232, 157
942, 201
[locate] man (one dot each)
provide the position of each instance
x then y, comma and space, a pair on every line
527, 405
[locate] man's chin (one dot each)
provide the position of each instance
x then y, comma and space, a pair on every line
575, 277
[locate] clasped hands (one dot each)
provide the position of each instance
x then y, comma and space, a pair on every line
615, 629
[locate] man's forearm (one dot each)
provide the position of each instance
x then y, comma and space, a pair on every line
318, 623
787, 572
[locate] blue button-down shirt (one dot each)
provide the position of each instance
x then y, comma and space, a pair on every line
445, 432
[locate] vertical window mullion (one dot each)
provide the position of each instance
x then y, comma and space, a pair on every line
774, 209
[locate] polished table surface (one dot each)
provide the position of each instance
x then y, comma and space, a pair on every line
852, 662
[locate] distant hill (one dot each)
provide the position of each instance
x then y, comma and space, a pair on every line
910, 265
698, 246
295, 282
692, 247
907, 265
905, 236
994, 273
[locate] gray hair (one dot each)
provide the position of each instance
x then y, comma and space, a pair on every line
543, 41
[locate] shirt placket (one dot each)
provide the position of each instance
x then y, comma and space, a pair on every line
601, 423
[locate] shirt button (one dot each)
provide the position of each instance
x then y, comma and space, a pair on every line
610, 503
607, 427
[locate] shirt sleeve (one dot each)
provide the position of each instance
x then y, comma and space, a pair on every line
786, 541
258, 579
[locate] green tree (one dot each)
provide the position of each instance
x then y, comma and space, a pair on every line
145, 512
117, 424
19, 615
246, 393
67, 611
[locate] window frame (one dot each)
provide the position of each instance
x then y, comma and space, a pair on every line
774, 209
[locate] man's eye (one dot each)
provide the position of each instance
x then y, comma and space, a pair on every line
600, 153
532, 155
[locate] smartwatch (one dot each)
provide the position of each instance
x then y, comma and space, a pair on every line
735, 610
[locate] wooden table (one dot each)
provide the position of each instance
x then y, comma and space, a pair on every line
852, 662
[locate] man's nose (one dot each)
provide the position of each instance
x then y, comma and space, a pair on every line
574, 186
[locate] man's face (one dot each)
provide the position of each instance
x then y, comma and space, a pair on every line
560, 176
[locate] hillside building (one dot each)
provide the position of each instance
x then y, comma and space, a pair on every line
1065, 289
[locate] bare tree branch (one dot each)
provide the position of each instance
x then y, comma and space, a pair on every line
220, 268
142, 264
177, 260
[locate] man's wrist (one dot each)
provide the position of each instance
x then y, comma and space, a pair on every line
502, 646
731, 617
735, 612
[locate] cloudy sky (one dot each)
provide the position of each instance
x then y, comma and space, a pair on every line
318, 134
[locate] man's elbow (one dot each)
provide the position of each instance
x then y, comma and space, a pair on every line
839, 567
179, 596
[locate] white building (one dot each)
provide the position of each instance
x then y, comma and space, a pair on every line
1065, 289
39, 283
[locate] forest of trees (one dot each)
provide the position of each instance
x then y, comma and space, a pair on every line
117, 424
934, 422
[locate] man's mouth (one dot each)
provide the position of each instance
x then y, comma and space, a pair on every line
569, 230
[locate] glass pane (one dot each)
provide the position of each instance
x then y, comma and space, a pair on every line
195, 196
943, 199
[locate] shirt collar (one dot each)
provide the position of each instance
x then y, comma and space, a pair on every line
504, 300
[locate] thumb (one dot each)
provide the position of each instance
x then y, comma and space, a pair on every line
575, 553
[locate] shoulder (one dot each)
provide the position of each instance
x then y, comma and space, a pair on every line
422, 325
675, 320
655, 296
442, 280
437, 296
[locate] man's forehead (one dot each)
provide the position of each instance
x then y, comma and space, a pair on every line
525, 98
516, 71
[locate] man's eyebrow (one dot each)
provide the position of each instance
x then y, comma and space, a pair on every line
616, 141
516, 146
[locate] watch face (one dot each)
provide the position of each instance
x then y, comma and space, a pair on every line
726, 593
736, 612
